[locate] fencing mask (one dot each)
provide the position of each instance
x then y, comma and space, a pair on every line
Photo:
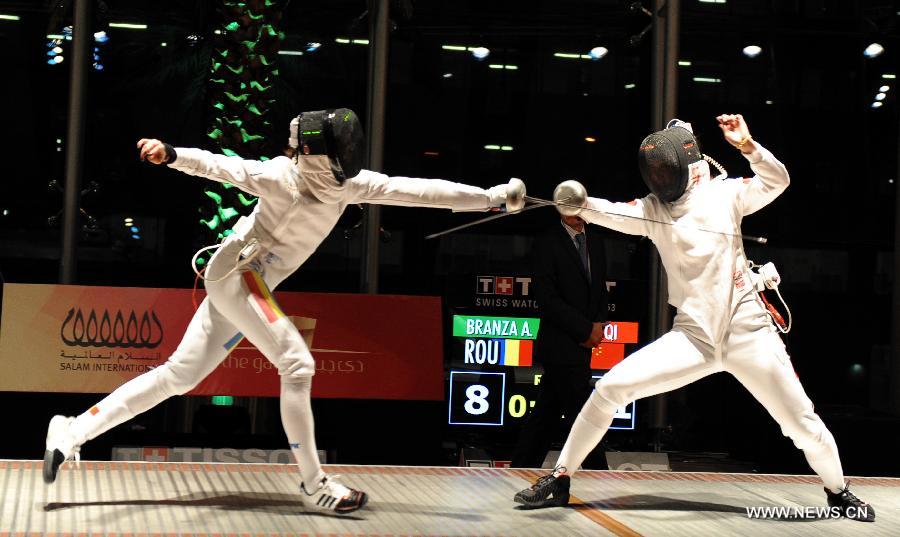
665, 158
338, 134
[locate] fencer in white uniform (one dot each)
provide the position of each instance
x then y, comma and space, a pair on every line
300, 201
721, 324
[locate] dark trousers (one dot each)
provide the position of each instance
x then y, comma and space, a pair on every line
563, 391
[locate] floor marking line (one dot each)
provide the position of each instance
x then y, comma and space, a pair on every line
590, 512
593, 514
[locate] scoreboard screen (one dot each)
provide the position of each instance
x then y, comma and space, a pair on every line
493, 381
476, 398
493, 371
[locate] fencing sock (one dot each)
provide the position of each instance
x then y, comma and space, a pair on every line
590, 425
825, 461
297, 419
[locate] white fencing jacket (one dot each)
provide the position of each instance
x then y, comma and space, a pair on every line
707, 272
299, 203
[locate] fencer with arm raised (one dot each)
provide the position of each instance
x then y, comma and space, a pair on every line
300, 200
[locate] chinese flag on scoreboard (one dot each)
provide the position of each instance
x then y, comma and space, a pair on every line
606, 355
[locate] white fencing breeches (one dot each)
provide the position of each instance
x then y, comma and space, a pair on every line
752, 352
239, 305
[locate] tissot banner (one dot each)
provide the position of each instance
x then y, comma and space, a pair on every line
66, 338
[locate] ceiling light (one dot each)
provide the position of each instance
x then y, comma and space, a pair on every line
684, 63
590, 139
598, 52
128, 25
453, 47
877, 104
884, 89
291, 52
707, 79
630, 85
448, 75
9, 17
480, 53
873, 50
752, 51
889, 76
880, 96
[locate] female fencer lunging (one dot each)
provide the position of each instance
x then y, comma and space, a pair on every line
300, 201
721, 322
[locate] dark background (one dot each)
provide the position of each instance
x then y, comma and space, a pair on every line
807, 97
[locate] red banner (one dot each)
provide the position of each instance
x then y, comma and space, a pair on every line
57, 338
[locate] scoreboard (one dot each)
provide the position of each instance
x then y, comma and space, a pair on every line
482, 398
492, 370
492, 378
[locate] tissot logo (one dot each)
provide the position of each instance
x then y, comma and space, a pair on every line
503, 285
111, 331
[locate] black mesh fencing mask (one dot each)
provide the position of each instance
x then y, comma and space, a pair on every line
664, 159
337, 133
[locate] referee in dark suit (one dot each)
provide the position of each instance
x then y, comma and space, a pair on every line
569, 266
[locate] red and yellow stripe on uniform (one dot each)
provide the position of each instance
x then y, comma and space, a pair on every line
259, 291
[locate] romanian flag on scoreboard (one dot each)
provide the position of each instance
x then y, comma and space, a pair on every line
516, 352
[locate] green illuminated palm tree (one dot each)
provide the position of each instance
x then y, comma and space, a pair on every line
242, 74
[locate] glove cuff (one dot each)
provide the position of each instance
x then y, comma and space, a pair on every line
497, 195
171, 155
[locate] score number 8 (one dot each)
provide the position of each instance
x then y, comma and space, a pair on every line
476, 399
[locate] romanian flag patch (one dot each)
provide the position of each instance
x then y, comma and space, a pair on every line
259, 293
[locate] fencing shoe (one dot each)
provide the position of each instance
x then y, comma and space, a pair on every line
61, 446
331, 495
548, 491
851, 506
